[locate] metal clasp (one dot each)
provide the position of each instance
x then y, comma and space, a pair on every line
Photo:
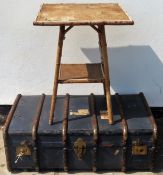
80, 148
24, 149
139, 149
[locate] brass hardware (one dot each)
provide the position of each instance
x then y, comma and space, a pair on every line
80, 148
80, 112
139, 150
24, 149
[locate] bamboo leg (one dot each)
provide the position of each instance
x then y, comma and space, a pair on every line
57, 66
104, 88
104, 57
102, 62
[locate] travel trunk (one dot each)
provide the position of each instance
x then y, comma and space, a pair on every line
80, 137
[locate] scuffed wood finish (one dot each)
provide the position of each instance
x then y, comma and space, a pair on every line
97, 16
56, 75
82, 14
104, 58
81, 73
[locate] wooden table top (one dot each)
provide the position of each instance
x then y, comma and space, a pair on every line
82, 14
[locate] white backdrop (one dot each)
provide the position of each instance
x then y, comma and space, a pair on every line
27, 52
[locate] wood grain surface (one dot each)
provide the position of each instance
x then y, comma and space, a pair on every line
82, 14
86, 72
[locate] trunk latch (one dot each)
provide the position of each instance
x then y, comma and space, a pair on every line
80, 148
24, 149
138, 148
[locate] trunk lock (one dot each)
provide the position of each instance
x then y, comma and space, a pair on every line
138, 148
80, 148
24, 149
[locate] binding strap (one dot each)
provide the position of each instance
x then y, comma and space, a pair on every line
64, 131
155, 131
95, 131
34, 131
125, 131
5, 130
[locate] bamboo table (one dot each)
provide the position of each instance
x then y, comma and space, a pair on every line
96, 16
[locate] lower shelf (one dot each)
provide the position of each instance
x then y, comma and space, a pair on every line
81, 73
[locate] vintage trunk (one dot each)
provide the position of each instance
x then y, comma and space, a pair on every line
80, 137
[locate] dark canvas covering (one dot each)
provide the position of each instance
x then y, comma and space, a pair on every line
78, 119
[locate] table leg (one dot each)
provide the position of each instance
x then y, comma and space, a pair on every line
104, 57
102, 62
57, 66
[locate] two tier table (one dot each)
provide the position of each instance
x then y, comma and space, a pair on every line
96, 16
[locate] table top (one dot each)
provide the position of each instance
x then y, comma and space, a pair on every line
82, 14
